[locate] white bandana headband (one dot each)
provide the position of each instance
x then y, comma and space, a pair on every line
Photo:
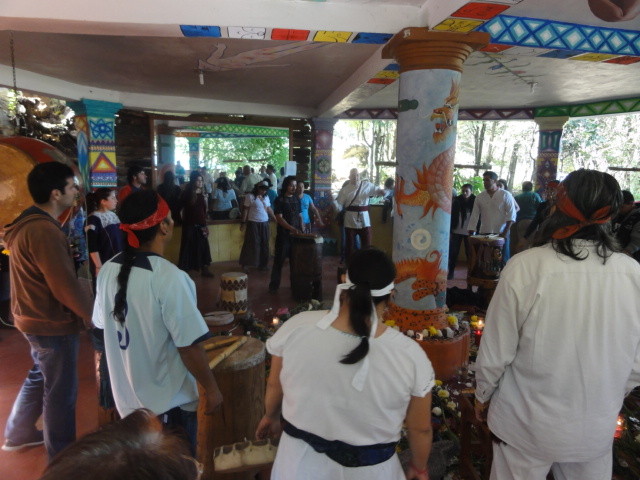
324, 323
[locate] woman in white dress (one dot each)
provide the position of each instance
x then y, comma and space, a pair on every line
342, 384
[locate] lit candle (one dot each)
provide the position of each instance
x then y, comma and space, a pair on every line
276, 321
619, 427
480, 324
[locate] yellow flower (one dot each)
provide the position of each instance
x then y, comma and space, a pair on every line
439, 383
390, 323
443, 394
433, 331
452, 320
474, 318
5, 252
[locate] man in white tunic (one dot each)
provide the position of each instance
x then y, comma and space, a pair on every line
496, 210
354, 198
561, 346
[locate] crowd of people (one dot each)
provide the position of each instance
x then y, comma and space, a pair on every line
560, 350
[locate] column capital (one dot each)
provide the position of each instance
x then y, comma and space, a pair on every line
95, 108
422, 49
324, 123
551, 123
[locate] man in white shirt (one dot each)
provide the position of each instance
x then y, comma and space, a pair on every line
271, 175
250, 180
495, 208
354, 198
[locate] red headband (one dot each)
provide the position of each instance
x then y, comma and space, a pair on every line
566, 206
154, 219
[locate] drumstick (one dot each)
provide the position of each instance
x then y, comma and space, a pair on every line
218, 342
232, 348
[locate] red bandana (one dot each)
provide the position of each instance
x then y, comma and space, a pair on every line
154, 219
566, 206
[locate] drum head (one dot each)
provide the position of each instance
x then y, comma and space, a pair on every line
216, 319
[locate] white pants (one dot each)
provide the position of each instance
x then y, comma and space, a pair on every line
512, 464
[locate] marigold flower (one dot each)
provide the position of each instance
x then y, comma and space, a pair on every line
443, 393
439, 383
437, 411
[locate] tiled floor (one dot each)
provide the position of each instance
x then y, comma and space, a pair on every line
15, 359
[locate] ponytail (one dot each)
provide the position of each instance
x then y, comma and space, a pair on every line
120, 305
369, 269
136, 207
360, 310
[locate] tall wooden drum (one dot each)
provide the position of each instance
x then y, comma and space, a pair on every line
485, 257
241, 378
233, 292
306, 267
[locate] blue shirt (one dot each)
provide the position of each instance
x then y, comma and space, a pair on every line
223, 199
305, 202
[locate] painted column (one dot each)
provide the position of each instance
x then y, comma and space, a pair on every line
321, 162
166, 149
194, 151
548, 149
95, 123
430, 71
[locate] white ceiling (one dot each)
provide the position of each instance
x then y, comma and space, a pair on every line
137, 54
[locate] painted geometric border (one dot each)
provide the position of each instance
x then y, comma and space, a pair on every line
628, 105
537, 33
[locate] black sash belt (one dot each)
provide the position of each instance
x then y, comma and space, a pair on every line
363, 208
343, 453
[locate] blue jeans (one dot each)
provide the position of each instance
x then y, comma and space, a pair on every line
50, 389
182, 423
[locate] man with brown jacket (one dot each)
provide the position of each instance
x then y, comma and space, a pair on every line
50, 309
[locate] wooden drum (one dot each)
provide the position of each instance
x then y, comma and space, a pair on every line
306, 267
233, 292
485, 256
241, 378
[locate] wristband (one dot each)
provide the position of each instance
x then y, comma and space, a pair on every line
418, 471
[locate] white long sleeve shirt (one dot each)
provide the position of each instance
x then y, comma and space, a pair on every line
560, 350
493, 211
348, 198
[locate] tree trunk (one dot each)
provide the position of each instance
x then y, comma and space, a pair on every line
478, 146
512, 165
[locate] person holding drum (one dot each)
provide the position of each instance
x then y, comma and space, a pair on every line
343, 383
152, 327
495, 208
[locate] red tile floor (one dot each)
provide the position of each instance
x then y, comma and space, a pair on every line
15, 360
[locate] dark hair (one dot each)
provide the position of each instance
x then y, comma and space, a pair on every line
504, 184
467, 185
136, 207
589, 190
627, 197
190, 189
223, 184
264, 183
47, 177
94, 198
491, 175
389, 182
132, 172
134, 448
286, 182
169, 178
527, 186
271, 167
369, 269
